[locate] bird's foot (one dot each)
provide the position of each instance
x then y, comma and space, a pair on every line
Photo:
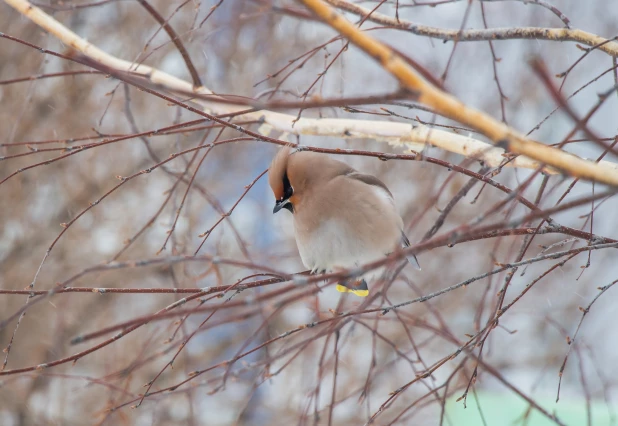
355, 286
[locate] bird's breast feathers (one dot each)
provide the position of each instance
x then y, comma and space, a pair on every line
350, 222
334, 245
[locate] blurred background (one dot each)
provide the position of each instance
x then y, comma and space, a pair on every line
318, 375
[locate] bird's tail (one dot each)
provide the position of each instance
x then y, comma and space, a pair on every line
411, 258
358, 287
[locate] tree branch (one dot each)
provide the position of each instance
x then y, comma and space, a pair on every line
551, 34
413, 137
453, 108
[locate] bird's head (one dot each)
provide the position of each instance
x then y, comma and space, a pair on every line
279, 180
300, 175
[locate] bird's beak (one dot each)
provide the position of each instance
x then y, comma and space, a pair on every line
280, 204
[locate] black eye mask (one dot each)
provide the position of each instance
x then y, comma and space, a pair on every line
285, 202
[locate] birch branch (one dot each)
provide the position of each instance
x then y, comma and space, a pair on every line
399, 134
451, 107
608, 46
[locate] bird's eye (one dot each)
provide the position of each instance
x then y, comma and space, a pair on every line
287, 187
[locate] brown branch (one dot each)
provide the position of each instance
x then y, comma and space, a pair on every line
396, 133
540, 69
571, 341
451, 107
176, 40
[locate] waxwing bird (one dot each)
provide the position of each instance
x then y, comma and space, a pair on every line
342, 218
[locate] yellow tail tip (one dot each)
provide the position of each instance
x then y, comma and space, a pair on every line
360, 293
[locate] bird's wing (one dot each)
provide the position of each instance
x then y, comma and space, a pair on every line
374, 181
411, 258
369, 180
